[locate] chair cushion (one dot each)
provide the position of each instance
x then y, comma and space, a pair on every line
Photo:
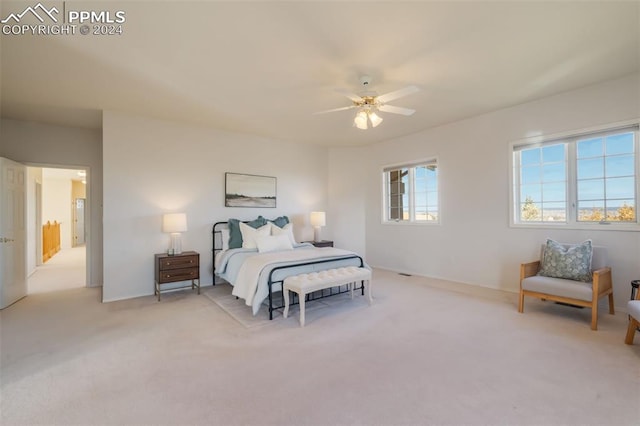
567, 262
559, 287
633, 308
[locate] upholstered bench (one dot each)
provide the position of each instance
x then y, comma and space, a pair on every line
304, 284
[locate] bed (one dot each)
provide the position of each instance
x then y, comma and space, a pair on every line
257, 274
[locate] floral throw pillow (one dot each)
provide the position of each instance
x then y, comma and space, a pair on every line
571, 263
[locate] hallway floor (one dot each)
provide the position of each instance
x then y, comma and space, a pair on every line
63, 271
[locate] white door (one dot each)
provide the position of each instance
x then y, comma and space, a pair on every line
13, 256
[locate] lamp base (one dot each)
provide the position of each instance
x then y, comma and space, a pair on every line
176, 244
316, 234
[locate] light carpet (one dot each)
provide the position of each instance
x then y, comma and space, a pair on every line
65, 270
428, 352
221, 295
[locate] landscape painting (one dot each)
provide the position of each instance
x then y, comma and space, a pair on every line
249, 190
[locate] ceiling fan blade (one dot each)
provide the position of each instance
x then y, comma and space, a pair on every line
334, 110
350, 95
396, 110
397, 94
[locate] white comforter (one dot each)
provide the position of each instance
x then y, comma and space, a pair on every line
251, 281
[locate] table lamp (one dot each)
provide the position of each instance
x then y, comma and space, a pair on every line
174, 224
318, 220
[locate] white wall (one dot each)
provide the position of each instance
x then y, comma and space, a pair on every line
48, 145
345, 215
34, 250
152, 167
56, 206
474, 243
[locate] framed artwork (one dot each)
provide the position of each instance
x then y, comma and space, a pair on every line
249, 190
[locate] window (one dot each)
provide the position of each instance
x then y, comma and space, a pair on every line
586, 179
543, 183
411, 193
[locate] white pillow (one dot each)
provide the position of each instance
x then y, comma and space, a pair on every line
285, 230
273, 243
250, 234
224, 235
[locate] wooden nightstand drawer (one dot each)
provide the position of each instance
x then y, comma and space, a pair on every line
176, 262
174, 275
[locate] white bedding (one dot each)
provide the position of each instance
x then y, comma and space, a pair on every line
248, 271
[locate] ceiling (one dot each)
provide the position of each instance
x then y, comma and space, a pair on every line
265, 67
64, 174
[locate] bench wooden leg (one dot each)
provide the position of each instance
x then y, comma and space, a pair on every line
286, 303
302, 301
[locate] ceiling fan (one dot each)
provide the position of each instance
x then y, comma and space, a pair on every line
370, 102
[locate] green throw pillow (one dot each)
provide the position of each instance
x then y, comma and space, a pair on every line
281, 221
235, 236
572, 263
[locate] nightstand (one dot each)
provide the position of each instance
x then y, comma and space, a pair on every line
179, 267
322, 243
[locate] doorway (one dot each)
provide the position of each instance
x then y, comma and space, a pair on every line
57, 221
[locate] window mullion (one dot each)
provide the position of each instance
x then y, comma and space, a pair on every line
636, 172
516, 188
386, 197
572, 184
412, 191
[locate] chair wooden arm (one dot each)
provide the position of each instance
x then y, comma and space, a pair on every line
529, 269
602, 281
634, 325
602, 285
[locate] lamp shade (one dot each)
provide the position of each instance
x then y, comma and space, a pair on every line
174, 222
361, 120
318, 219
375, 119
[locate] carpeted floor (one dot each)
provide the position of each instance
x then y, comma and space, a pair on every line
65, 270
238, 310
427, 352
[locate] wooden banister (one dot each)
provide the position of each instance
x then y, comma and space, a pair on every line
50, 240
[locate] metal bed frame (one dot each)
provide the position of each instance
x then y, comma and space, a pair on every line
270, 283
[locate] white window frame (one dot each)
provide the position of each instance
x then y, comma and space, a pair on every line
571, 176
411, 192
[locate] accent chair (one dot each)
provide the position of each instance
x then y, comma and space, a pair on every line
574, 274
633, 307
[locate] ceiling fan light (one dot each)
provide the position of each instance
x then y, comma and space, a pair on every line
361, 120
375, 119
